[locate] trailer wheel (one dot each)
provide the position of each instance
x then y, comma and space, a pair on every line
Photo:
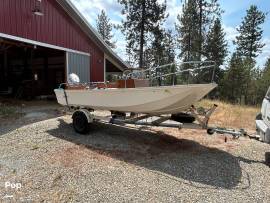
210, 131
80, 122
267, 158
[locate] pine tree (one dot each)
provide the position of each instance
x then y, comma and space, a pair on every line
157, 47
192, 26
255, 92
265, 79
188, 31
216, 47
169, 45
208, 10
104, 27
162, 47
161, 52
237, 76
248, 46
142, 16
250, 33
267, 66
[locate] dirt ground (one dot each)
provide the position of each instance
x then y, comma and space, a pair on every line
43, 160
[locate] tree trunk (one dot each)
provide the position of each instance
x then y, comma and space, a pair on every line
200, 29
252, 40
142, 36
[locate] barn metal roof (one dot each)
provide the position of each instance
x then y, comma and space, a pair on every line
69, 7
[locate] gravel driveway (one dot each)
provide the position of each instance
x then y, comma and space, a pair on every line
46, 161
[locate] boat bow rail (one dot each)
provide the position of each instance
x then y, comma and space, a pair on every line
189, 72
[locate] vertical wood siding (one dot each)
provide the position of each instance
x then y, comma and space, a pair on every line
54, 27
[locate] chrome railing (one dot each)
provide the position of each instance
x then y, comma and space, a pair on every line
159, 73
183, 71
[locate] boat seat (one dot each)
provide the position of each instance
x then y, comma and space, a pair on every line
130, 83
133, 83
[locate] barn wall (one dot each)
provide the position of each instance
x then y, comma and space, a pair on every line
54, 27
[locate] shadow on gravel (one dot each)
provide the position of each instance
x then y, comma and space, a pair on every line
29, 114
161, 153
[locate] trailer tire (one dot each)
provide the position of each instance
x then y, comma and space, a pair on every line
210, 131
183, 118
80, 122
267, 158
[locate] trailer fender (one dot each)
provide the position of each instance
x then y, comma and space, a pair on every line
88, 115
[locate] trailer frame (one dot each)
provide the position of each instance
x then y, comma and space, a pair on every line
201, 115
87, 117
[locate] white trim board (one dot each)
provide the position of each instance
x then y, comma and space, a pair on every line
67, 69
41, 44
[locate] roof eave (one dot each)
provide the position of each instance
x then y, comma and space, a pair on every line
69, 7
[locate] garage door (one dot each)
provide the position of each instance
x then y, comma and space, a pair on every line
80, 65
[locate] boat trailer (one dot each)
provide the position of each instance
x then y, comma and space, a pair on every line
82, 117
201, 115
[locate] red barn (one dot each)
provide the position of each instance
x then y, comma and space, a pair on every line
42, 41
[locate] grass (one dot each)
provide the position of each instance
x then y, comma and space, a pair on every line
6, 110
232, 115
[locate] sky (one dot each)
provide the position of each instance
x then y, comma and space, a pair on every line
234, 12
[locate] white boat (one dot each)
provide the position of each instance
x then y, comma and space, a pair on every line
147, 100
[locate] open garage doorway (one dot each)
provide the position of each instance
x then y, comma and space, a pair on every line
28, 71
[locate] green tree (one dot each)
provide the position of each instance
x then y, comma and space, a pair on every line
187, 28
255, 91
169, 44
163, 52
208, 10
216, 47
264, 81
170, 55
266, 76
250, 33
192, 26
142, 17
163, 47
104, 27
234, 85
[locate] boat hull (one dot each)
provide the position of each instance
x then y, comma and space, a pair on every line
150, 100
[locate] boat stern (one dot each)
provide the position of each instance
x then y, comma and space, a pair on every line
61, 96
